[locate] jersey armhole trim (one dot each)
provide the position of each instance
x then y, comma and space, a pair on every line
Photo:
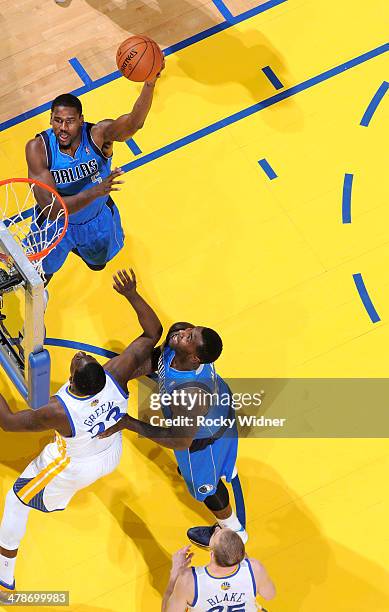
115, 382
92, 143
252, 577
196, 588
67, 414
45, 140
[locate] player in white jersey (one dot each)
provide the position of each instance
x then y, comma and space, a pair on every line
94, 398
229, 583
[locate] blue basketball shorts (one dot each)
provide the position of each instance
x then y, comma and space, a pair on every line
97, 241
203, 469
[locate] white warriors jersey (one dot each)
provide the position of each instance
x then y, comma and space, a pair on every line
90, 416
233, 593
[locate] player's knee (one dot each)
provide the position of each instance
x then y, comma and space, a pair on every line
219, 500
14, 522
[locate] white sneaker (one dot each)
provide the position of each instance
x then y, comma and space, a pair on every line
242, 533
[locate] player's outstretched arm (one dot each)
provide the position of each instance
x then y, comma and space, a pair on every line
265, 586
125, 126
51, 416
180, 589
38, 170
187, 406
124, 365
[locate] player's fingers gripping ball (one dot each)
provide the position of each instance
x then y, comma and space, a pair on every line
139, 58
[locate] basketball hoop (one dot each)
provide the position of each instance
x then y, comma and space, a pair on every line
38, 230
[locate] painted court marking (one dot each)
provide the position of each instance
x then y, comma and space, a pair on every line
80, 346
266, 167
273, 78
223, 10
346, 199
135, 149
366, 301
82, 73
369, 112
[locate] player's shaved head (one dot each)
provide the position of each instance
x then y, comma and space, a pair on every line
89, 378
200, 344
211, 346
228, 548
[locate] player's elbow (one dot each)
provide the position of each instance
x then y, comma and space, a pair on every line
11, 426
269, 592
154, 335
135, 127
158, 333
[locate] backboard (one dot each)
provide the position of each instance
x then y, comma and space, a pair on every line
22, 329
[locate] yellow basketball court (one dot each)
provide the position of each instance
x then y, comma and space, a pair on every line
286, 258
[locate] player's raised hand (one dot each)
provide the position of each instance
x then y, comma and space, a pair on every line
154, 80
125, 283
181, 560
119, 426
108, 184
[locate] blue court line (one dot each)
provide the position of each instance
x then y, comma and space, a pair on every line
363, 294
369, 112
82, 73
80, 346
346, 199
266, 167
256, 10
24, 215
250, 110
223, 9
224, 25
273, 78
133, 146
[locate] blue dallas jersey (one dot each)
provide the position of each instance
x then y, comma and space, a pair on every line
204, 377
213, 451
72, 175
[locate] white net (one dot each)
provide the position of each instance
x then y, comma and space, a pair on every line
35, 228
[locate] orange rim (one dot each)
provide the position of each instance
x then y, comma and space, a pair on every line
45, 251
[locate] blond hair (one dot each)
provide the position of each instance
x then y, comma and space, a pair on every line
229, 549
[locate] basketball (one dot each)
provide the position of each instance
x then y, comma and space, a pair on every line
139, 58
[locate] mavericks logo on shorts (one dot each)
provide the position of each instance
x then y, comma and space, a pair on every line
205, 488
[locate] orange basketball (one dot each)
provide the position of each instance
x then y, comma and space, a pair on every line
139, 58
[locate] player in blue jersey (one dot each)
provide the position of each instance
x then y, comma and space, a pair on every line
205, 451
74, 157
